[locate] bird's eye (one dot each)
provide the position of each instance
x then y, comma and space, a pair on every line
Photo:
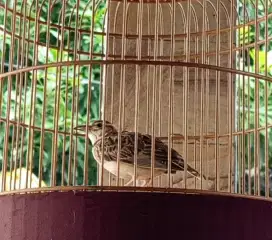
99, 125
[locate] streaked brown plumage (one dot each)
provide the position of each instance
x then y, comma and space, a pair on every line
144, 149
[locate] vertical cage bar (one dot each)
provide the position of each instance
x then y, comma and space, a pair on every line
154, 93
256, 107
11, 65
75, 69
148, 69
217, 97
101, 171
122, 85
267, 181
202, 91
29, 159
137, 84
4, 162
230, 99
186, 89
171, 92
89, 100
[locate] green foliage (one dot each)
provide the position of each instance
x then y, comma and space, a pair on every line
255, 95
54, 96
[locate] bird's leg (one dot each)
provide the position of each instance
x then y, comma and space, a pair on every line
146, 183
140, 183
178, 178
176, 181
129, 182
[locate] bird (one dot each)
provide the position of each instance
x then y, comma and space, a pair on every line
127, 153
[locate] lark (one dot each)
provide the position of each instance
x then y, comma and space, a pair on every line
128, 151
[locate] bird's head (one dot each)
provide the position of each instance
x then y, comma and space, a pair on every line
96, 128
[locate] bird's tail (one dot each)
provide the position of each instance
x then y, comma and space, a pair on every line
191, 170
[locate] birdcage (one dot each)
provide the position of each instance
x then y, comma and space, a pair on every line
193, 76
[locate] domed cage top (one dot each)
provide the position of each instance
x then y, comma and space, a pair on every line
194, 75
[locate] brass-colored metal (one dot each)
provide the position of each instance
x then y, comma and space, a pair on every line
177, 70
267, 182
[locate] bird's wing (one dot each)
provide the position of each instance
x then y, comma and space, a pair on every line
144, 151
161, 154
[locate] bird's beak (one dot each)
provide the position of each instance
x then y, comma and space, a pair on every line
81, 128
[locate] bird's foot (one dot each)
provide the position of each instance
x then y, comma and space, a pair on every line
146, 183
140, 183
129, 182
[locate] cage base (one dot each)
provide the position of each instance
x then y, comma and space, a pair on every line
130, 215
